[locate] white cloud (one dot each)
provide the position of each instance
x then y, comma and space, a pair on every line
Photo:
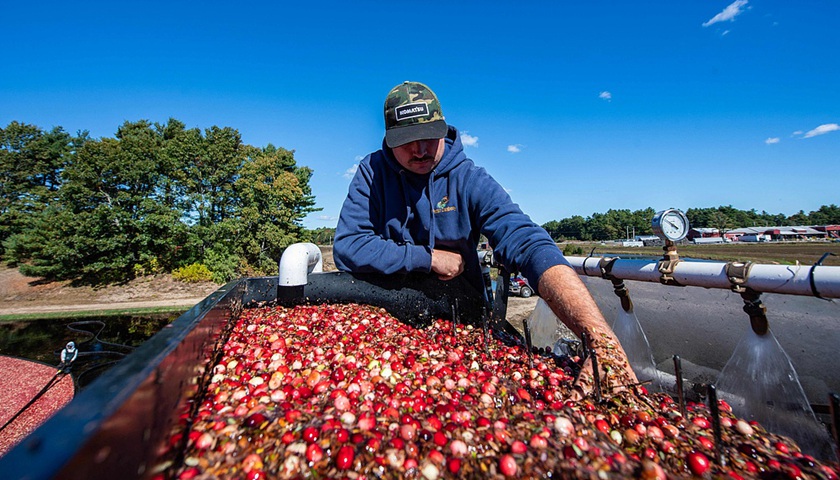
605, 95
351, 171
468, 140
797, 133
327, 217
772, 140
728, 14
822, 130
514, 148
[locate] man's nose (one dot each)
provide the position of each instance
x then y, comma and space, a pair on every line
420, 148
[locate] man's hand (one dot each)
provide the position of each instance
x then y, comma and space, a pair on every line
447, 265
569, 299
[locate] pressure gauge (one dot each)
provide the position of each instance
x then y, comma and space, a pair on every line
670, 224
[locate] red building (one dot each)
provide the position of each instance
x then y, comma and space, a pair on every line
703, 233
831, 231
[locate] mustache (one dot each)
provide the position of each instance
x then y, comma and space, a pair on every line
424, 158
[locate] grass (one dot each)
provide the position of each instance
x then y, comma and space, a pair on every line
91, 313
784, 253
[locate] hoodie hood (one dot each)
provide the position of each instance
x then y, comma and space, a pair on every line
453, 154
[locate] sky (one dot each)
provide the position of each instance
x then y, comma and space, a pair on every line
574, 107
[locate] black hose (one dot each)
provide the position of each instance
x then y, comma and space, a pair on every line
38, 395
811, 276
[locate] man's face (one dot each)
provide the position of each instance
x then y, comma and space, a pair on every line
421, 156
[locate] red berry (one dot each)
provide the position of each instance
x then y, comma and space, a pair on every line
255, 475
189, 473
701, 422
507, 465
602, 426
344, 457
314, 453
255, 420
518, 447
310, 434
698, 463
705, 442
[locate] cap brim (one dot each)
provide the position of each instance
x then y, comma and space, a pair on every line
397, 136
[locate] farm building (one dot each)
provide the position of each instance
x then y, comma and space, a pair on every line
775, 233
831, 231
649, 240
696, 233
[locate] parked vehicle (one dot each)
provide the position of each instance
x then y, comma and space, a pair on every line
519, 286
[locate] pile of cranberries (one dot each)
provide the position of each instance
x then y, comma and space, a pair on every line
347, 391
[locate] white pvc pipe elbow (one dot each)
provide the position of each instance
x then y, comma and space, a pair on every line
297, 262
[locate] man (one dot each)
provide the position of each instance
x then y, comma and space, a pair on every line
68, 356
420, 205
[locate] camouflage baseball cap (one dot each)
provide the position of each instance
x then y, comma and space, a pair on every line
412, 112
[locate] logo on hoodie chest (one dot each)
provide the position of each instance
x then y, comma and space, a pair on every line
442, 207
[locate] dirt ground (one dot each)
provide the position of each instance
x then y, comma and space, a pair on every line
20, 294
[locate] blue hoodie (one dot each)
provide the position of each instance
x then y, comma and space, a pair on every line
393, 218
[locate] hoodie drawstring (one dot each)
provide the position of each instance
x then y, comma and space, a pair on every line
432, 221
407, 201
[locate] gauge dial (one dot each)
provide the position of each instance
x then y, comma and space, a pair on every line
670, 224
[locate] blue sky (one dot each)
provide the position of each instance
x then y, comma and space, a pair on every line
574, 107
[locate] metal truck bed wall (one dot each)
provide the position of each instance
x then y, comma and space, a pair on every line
117, 427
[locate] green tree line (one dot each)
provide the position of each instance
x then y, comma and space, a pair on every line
155, 198
617, 223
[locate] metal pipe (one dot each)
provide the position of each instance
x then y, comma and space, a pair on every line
678, 374
715, 410
787, 279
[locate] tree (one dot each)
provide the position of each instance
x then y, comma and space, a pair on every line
799, 218
108, 220
31, 163
567, 228
826, 215
324, 236
721, 221
602, 227
273, 197
700, 217
770, 219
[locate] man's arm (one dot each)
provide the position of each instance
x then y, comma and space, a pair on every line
360, 246
569, 299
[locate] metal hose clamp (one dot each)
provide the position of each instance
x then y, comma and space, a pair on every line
667, 265
738, 273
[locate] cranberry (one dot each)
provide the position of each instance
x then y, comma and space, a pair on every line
507, 465
698, 463
255, 420
310, 434
344, 457
314, 453
518, 447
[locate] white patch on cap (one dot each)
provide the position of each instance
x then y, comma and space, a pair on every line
412, 110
